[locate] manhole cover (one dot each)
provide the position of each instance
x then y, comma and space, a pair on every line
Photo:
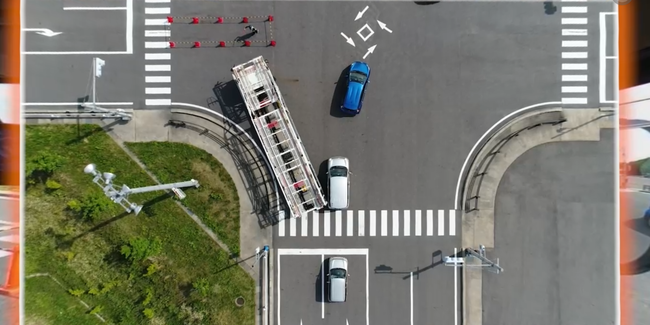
239, 301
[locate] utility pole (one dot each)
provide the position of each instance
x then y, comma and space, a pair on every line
97, 73
105, 181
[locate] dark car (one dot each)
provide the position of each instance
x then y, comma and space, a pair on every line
357, 82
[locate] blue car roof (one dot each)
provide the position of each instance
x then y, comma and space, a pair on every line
360, 66
353, 96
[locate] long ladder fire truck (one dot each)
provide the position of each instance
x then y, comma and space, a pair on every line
280, 140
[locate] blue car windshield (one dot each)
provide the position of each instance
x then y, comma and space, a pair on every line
359, 77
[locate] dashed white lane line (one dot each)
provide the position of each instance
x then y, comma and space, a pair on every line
384, 223
338, 218
430, 223
574, 89
452, 222
157, 79
574, 100
326, 224
574, 32
373, 222
574, 21
158, 102
574, 66
575, 43
395, 223
576, 77
574, 10
156, 22
157, 1
362, 223
156, 45
162, 91
575, 55
316, 224
350, 218
157, 33
441, 222
292, 227
407, 223
304, 229
418, 222
157, 11
157, 56
157, 67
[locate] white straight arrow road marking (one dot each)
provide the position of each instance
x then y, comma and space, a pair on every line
383, 26
360, 14
42, 31
370, 50
348, 39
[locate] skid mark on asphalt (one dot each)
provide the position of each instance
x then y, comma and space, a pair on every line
157, 34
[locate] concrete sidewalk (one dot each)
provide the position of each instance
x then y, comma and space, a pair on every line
478, 225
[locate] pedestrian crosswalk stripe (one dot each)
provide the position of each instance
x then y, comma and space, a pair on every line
418, 223
429, 223
384, 223
281, 227
326, 217
441, 222
407, 223
292, 227
373, 223
316, 222
452, 222
304, 227
395, 223
338, 224
362, 222
349, 229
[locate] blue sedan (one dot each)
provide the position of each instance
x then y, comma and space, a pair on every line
357, 80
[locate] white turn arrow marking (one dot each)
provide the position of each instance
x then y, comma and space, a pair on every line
370, 50
383, 26
42, 31
348, 39
360, 14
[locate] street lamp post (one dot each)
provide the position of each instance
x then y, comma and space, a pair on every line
98, 64
105, 181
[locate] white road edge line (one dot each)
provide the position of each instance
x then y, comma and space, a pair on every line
602, 83
95, 8
77, 104
455, 290
322, 251
367, 291
278, 281
411, 298
322, 285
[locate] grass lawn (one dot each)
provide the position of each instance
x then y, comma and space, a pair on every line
215, 201
44, 307
174, 273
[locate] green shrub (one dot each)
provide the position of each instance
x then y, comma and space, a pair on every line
148, 296
151, 269
43, 165
96, 310
201, 286
148, 313
76, 292
140, 249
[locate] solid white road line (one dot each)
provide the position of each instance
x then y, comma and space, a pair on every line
281, 225
350, 227
575, 43
395, 223
362, 221
94, 8
157, 56
411, 298
384, 223
429, 222
441, 222
156, 45
77, 104
157, 11
157, 91
581, 89
157, 79
574, 100
575, 55
574, 32
158, 102
574, 21
455, 290
574, 10
157, 33
157, 1
373, 223
574, 0
292, 227
316, 222
407, 223
326, 225
574, 66
157, 67
338, 220
156, 22
322, 285
570, 77
418, 223
452, 222
321, 251
304, 223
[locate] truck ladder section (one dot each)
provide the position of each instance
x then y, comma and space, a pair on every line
279, 137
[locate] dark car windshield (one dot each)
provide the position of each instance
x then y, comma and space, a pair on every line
338, 171
359, 77
337, 273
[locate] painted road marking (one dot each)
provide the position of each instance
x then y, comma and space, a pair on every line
574, 32
157, 56
326, 225
157, 11
581, 89
574, 100
395, 223
575, 55
304, 222
157, 67
156, 45
373, 223
157, 79
158, 102
292, 227
338, 218
362, 221
407, 223
575, 43
384, 223
570, 77
574, 21
441, 222
574, 10
158, 91
157, 1
157, 33
316, 221
370, 33
349, 229
574, 66
321, 251
94, 8
452, 222
281, 227
156, 22
429, 223
418, 223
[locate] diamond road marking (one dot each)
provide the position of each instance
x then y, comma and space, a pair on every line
369, 34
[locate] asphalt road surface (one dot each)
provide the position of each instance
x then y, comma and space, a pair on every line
555, 238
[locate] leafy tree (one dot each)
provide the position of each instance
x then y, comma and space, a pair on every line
138, 249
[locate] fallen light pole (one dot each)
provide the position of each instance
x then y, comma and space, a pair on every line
105, 181
480, 255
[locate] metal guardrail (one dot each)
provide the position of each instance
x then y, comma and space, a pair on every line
66, 113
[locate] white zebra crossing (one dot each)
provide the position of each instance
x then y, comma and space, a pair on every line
399, 223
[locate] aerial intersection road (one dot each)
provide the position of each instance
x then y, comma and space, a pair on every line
442, 75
